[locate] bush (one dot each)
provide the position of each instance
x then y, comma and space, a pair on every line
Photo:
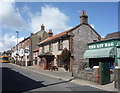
13, 61
65, 58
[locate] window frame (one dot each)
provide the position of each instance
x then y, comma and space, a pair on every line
43, 49
51, 47
60, 44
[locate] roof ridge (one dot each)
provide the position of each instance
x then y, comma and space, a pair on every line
65, 32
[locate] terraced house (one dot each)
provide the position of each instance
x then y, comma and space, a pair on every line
25, 48
75, 40
35, 39
20, 49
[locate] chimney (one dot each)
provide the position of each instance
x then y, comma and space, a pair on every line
50, 33
42, 27
83, 18
31, 34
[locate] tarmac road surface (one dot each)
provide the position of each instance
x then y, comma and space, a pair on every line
16, 79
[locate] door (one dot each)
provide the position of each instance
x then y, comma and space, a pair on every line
105, 73
35, 60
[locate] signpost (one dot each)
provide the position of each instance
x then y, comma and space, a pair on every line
26, 54
119, 63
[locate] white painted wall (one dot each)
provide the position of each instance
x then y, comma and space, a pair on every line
55, 50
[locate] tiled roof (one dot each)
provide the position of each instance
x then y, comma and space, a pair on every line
36, 49
65, 33
113, 35
25, 39
56, 36
102, 38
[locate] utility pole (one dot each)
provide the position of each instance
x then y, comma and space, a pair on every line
17, 45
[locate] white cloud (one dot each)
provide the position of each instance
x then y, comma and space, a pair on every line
52, 18
26, 11
11, 18
103, 36
8, 41
92, 26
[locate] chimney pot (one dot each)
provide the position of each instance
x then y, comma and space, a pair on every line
83, 12
50, 33
31, 34
42, 27
83, 18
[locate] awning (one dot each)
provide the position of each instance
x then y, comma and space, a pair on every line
100, 53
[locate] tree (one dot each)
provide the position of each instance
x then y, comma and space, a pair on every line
65, 58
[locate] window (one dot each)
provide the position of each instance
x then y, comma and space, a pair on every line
59, 62
40, 39
42, 49
60, 44
50, 47
94, 40
41, 62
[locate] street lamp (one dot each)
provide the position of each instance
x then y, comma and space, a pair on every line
17, 45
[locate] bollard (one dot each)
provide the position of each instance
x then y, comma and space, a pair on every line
96, 74
117, 78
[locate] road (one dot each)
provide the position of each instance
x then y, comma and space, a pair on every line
16, 79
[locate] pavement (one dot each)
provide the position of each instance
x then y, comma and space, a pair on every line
67, 76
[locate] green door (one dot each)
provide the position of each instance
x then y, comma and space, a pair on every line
105, 73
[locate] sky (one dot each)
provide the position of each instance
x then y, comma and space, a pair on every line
27, 17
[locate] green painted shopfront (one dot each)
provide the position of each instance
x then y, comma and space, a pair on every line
104, 51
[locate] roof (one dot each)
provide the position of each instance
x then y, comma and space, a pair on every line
24, 39
102, 38
56, 36
65, 33
117, 38
36, 50
113, 35
46, 54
